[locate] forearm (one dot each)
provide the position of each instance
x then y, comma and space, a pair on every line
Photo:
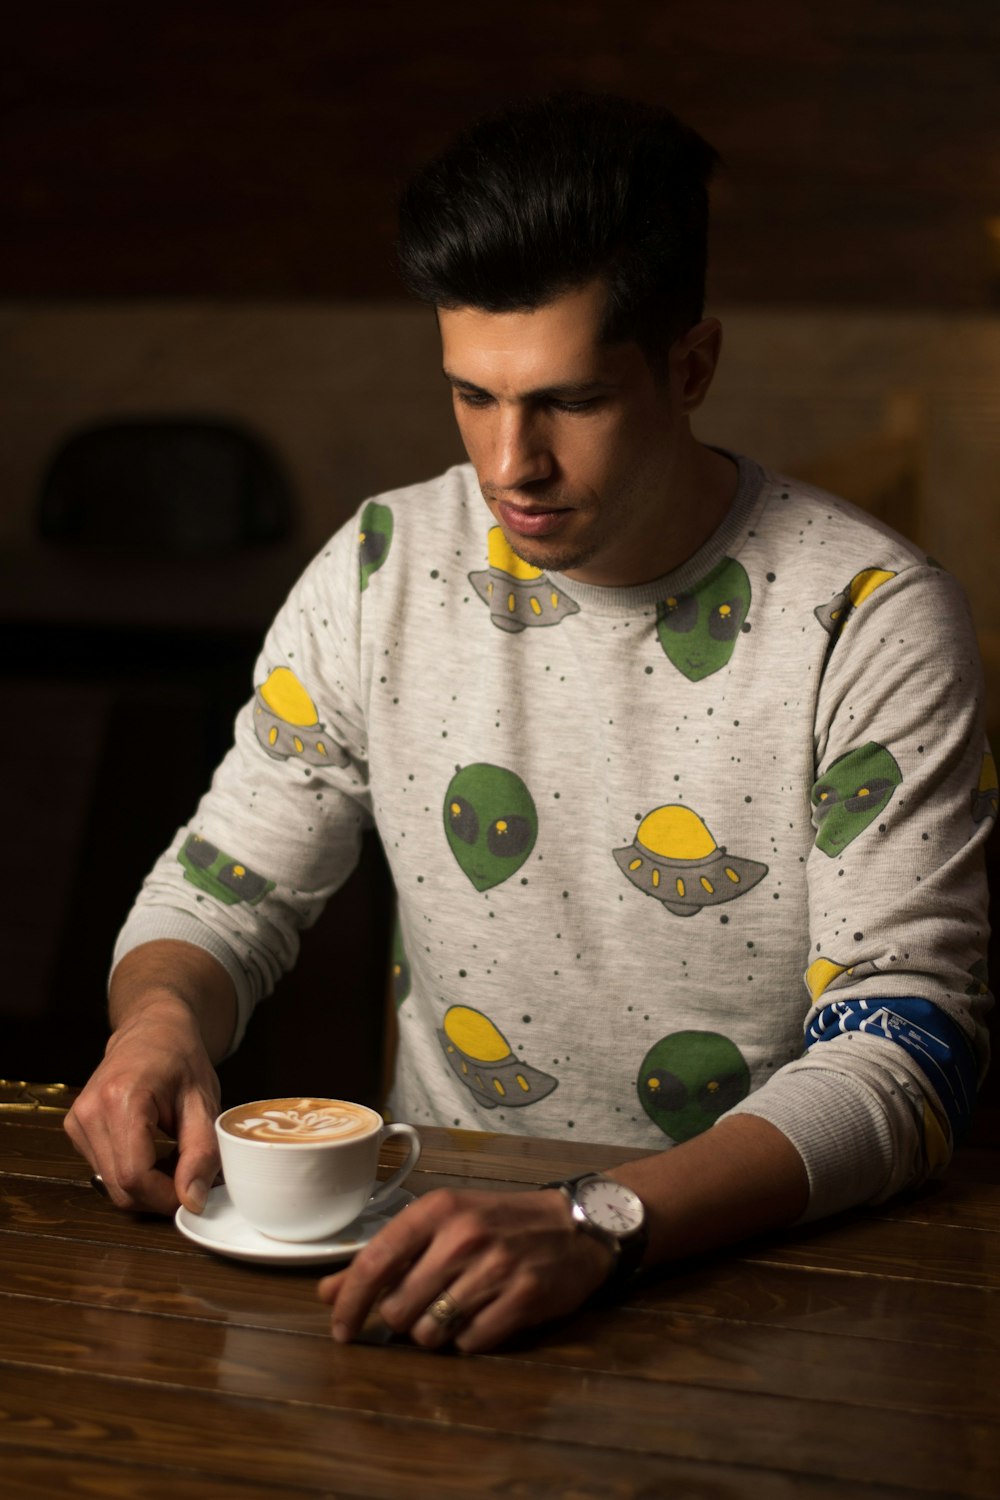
158, 977
742, 1177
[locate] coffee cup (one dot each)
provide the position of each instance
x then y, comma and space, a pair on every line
301, 1169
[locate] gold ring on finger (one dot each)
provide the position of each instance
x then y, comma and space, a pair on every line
445, 1311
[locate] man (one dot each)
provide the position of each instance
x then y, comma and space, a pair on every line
649, 740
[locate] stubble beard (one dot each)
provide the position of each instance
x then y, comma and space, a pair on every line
548, 556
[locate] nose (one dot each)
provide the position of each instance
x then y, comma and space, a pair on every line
522, 455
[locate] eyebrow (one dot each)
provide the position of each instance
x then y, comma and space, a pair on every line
565, 389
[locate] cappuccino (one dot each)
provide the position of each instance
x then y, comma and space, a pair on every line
306, 1121
303, 1168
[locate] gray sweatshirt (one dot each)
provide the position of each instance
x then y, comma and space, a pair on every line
662, 853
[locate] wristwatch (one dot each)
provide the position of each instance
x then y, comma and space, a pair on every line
611, 1213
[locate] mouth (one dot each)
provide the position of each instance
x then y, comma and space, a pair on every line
530, 523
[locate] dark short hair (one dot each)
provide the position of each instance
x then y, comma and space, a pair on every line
536, 201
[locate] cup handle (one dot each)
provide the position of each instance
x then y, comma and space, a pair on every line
384, 1189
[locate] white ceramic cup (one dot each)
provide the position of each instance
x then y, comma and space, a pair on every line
304, 1189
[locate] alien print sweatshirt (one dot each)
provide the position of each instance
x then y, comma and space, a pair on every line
661, 853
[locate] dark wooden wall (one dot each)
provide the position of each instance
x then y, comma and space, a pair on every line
254, 149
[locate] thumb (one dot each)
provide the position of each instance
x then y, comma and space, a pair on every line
197, 1153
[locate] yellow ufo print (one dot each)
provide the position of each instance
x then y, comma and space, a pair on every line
987, 794
519, 596
822, 972
287, 723
480, 1055
834, 616
675, 859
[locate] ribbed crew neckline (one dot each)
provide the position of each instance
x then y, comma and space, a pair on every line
724, 541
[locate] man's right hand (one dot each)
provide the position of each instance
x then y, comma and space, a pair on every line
157, 1079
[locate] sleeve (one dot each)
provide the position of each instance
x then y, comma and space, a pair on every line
904, 798
280, 828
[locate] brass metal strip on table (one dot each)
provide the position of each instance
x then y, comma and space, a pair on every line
20, 1098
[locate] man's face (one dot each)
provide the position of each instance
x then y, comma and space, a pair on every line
579, 449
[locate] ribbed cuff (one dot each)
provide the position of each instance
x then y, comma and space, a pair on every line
838, 1127
177, 926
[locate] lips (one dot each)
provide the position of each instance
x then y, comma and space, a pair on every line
530, 522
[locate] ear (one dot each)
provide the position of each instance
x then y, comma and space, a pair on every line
693, 360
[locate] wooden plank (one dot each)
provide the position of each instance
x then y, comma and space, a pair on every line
662, 1349
37, 1206
32, 1476
856, 1244
28, 1475
389, 1404
719, 1290
365, 1455
864, 1245
826, 1301
202, 1287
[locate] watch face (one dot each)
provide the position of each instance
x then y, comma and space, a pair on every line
610, 1205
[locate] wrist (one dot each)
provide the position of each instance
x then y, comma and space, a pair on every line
159, 1020
613, 1215
178, 985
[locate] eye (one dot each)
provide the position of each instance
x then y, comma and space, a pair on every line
475, 399
872, 794
666, 1090
463, 820
573, 406
720, 1094
825, 797
200, 852
509, 836
725, 620
678, 614
372, 546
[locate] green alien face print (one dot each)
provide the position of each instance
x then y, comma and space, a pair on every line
491, 823
689, 1079
375, 539
850, 794
220, 875
699, 631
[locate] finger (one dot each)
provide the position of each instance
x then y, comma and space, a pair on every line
443, 1318
380, 1265
131, 1177
498, 1319
198, 1159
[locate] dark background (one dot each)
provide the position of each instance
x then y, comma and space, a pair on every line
228, 151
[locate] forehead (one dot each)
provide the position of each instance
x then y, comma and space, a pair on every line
558, 343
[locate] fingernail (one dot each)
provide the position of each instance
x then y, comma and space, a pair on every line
197, 1195
340, 1333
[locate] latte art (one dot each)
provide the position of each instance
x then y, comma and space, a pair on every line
300, 1120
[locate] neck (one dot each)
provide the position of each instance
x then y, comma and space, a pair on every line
708, 489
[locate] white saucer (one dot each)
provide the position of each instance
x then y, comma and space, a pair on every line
221, 1229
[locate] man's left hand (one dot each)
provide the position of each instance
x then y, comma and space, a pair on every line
492, 1263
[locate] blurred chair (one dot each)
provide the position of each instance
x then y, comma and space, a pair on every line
167, 486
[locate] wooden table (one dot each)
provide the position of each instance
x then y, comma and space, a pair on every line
857, 1358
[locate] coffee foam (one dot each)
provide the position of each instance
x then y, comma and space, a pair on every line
302, 1121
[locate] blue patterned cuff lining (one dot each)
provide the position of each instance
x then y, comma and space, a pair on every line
924, 1031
